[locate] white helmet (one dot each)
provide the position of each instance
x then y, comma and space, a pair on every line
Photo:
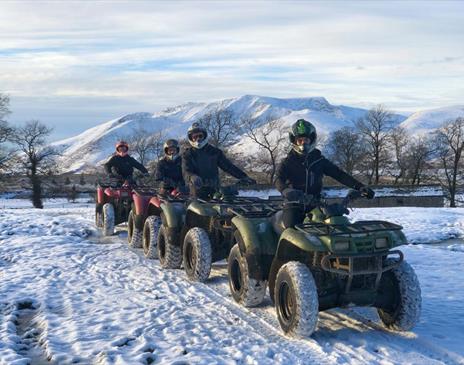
197, 128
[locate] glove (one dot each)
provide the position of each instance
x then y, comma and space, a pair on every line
247, 181
292, 194
367, 192
196, 181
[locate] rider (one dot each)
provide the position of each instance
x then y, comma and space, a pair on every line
200, 164
121, 166
302, 171
169, 168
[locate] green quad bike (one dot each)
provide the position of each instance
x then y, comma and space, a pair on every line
164, 218
208, 233
325, 262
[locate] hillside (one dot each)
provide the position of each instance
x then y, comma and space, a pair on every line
94, 145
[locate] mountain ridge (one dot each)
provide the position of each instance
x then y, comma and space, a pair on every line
92, 147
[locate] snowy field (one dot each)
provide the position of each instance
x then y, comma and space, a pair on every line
69, 296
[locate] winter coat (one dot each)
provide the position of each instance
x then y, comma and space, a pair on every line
299, 171
169, 173
204, 162
123, 166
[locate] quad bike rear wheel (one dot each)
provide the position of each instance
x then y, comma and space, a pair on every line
169, 254
245, 290
197, 256
150, 236
296, 299
134, 235
108, 219
401, 283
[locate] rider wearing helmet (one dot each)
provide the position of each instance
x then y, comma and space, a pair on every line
169, 168
200, 163
302, 171
120, 165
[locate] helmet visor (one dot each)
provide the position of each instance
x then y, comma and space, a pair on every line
197, 136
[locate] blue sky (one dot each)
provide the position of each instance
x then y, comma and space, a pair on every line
74, 64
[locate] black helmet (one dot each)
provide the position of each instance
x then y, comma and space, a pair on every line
171, 143
197, 128
303, 128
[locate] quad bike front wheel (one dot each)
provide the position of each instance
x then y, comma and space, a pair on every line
169, 254
108, 219
134, 235
402, 285
150, 236
245, 290
296, 299
197, 254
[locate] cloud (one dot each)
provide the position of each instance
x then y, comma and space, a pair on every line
60, 55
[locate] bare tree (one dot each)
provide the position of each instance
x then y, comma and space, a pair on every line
271, 140
399, 141
449, 144
145, 145
36, 157
4, 106
221, 125
5, 131
346, 149
375, 128
417, 159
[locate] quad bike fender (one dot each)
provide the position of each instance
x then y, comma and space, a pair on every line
100, 196
292, 239
141, 204
173, 215
202, 209
257, 241
397, 238
257, 234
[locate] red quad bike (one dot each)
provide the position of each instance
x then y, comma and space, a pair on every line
146, 216
113, 204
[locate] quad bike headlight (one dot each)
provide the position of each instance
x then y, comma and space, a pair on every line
341, 245
381, 242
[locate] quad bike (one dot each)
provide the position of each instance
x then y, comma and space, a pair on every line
208, 231
141, 208
322, 263
113, 204
154, 214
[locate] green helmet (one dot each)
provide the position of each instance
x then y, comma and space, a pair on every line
303, 128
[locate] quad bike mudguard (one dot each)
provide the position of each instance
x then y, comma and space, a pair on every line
202, 209
257, 243
173, 214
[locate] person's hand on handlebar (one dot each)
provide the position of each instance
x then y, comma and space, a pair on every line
293, 194
367, 192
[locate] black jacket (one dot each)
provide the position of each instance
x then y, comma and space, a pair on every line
295, 169
169, 173
204, 162
123, 166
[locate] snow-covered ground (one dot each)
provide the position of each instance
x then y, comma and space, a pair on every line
71, 296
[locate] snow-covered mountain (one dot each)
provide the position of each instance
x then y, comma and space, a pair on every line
424, 121
93, 146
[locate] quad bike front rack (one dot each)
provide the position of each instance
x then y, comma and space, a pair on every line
249, 207
362, 227
360, 264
